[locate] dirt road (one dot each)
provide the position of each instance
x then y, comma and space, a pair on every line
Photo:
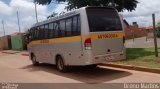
18, 68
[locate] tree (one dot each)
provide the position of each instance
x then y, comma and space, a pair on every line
158, 29
158, 24
120, 5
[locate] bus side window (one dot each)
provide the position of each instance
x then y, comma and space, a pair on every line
56, 29
37, 33
76, 26
69, 27
46, 31
62, 28
29, 35
51, 31
35, 30
42, 32
32, 34
79, 25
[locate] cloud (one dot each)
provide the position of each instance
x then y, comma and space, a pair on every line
143, 13
5, 9
60, 8
26, 9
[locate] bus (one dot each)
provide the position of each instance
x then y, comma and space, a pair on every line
84, 36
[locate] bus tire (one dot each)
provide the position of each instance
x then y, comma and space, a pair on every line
92, 66
61, 65
34, 62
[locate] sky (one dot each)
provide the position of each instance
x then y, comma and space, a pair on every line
8, 9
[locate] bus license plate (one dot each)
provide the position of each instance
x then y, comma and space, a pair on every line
109, 58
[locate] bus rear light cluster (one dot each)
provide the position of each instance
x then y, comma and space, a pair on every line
88, 44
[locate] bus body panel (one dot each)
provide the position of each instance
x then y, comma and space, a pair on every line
106, 43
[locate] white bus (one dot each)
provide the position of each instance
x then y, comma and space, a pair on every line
85, 36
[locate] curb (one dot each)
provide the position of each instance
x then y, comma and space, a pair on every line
131, 67
10, 52
25, 54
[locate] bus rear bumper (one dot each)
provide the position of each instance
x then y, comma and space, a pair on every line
109, 57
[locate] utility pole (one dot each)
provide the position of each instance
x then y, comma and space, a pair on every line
18, 22
3, 27
36, 12
155, 38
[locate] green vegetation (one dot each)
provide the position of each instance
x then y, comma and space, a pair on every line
120, 5
158, 32
141, 57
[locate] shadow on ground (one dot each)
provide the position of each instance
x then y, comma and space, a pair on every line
82, 74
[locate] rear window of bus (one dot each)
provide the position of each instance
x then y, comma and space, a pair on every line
103, 19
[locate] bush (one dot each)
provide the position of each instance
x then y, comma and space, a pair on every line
158, 33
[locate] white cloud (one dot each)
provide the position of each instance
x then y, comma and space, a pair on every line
60, 8
143, 13
5, 9
26, 9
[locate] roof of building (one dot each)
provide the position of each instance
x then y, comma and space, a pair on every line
125, 22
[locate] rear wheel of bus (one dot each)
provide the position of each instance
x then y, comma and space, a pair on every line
61, 65
34, 61
92, 66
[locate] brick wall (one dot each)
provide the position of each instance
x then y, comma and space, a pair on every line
135, 31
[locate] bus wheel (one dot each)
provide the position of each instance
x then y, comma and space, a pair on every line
92, 66
34, 62
60, 64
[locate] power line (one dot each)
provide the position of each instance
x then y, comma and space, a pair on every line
3, 27
18, 22
36, 12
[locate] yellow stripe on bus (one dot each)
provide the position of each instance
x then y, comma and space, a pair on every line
78, 38
56, 40
107, 36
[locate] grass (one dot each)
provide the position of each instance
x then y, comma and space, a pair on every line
141, 57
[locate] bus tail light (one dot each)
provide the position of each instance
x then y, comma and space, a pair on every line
87, 44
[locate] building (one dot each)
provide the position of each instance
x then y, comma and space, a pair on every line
18, 41
135, 31
5, 42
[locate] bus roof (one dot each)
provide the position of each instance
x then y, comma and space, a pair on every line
67, 14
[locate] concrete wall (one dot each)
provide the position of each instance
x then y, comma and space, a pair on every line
17, 42
5, 43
